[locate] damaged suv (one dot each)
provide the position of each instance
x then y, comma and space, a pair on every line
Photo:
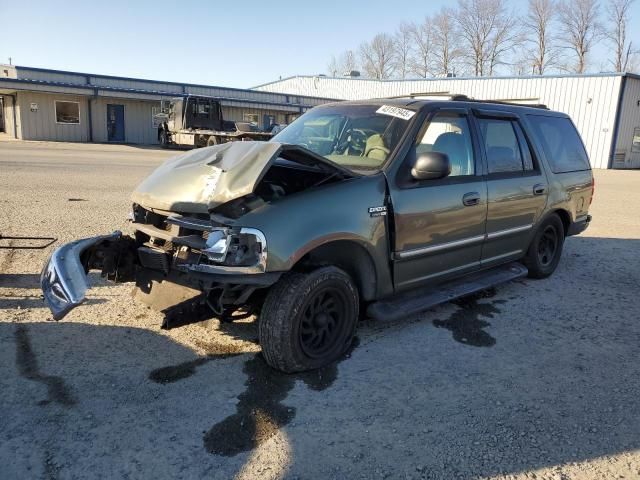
389, 206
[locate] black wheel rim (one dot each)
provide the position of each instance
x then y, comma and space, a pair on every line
323, 322
548, 246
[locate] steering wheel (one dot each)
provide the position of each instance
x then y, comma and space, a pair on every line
385, 150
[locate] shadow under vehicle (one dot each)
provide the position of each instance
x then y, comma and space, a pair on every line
389, 206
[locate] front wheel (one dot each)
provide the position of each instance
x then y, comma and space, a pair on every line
308, 319
545, 250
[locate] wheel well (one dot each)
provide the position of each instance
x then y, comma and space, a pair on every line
349, 256
566, 219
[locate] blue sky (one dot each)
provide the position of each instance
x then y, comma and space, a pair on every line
238, 43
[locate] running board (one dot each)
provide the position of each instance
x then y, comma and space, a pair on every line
416, 301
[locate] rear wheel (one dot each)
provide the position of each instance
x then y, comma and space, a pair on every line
308, 319
545, 250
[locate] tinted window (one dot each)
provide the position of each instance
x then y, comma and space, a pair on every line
449, 133
561, 143
501, 146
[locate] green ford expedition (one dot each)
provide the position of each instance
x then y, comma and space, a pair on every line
384, 206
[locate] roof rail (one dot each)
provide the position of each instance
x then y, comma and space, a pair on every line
517, 102
464, 98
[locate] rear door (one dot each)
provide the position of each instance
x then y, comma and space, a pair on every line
516, 184
439, 225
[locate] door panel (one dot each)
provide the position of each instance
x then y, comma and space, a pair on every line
516, 186
115, 123
512, 212
436, 235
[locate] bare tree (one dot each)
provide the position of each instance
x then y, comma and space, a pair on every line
580, 29
348, 62
446, 49
618, 17
378, 59
538, 26
403, 50
332, 67
422, 38
487, 30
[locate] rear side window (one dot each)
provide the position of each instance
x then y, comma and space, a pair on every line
561, 143
504, 154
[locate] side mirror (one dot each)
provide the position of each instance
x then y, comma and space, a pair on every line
431, 166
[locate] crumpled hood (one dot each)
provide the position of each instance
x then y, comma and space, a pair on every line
202, 179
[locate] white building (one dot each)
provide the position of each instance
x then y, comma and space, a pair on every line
604, 107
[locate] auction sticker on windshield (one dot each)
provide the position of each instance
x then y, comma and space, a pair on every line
397, 112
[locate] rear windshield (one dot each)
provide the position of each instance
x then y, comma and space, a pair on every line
561, 143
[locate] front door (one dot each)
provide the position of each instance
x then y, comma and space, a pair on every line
440, 224
2, 129
517, 187
115, 123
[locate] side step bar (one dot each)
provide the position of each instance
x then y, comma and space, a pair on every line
416, 301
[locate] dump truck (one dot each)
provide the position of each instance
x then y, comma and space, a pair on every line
193, 121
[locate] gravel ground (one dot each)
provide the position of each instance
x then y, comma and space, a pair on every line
537, 379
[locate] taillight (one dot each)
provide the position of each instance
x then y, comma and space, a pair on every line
593, 189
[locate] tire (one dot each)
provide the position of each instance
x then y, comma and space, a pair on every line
545, 250
211, 141
308, 319
164, 141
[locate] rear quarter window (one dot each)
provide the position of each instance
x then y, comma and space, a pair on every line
560, 142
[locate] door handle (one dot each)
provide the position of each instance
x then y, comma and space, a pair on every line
539, 189
470, 199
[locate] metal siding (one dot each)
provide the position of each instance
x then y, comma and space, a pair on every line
41, 125
135, 84
595, 120
138, 116
629, 120
61, 77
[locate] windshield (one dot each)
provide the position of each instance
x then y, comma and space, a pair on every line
360, 137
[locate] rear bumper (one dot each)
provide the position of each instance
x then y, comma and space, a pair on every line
579, 226
64, 279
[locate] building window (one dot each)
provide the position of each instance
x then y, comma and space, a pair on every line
635, 145
250, 117
67, 112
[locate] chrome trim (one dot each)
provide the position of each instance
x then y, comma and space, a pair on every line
499, 257
439, 247
508, 231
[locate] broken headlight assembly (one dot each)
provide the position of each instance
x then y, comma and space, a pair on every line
231, 247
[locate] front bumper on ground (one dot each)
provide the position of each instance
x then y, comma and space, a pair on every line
64, 279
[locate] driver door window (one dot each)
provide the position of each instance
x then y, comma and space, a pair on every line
449, 133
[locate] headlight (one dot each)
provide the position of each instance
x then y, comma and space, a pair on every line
246, 247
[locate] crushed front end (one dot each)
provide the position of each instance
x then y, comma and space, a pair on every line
222, 265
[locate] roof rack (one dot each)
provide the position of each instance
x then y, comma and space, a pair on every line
447, 95
464, 98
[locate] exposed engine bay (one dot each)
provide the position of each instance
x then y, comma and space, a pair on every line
199, 242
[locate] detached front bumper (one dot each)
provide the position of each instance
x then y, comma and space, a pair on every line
64, 279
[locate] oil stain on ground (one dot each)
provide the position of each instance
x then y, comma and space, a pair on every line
260, 411
465, 323
28, 367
